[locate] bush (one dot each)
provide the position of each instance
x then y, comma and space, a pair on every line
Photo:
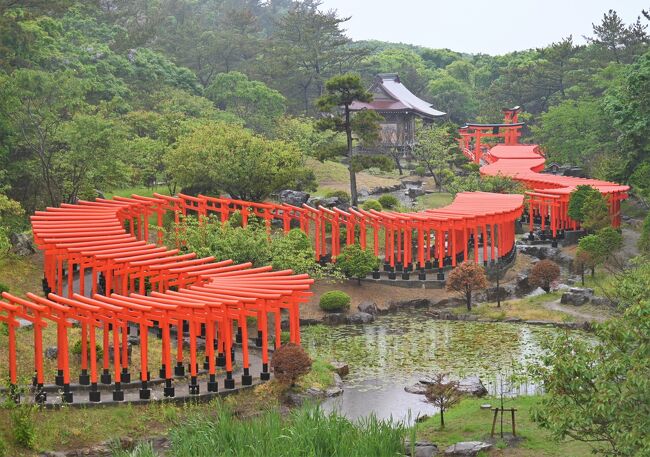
22, 419
340, 194
334, 300
420, 170
3, 288
388, 201
289, 362
355, 262
76, 349
3, 447
371, 204
543, 274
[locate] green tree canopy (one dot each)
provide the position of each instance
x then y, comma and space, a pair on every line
434, 149
341, 91
220, 157
577, 199
253, 101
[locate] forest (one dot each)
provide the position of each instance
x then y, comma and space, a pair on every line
100, 95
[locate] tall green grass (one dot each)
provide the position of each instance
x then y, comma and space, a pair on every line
304, 432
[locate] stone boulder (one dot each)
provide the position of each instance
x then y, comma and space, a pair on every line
536, 292
335, 319
470, 385
369, 307
24, 323
451, 301
51, 352
337, 388
361, 318
503, 292
341, 368
467, 448
577, 296
540, 252
473, 386
522, 286
21, 244
414, 303
293, 197
329, 202
420, 449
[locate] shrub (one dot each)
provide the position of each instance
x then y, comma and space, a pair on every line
543, 274
3, 288
340, 194
371, 204
355, 262
76, 349
289, 362
293, 251
334, 300
420, 170
388, 201
22, 420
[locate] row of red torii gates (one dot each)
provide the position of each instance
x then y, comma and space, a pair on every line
204, 296
137, 283
547, 195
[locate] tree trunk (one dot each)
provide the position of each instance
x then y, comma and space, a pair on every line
442, 418
399, 165
468, 298
353, 176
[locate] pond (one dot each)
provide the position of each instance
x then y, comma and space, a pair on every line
397, 349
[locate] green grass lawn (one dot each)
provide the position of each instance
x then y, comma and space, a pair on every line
332, 176
140, 190
529, 308
435, 200
468, 422
22, 274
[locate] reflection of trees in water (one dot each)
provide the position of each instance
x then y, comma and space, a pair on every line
398, 346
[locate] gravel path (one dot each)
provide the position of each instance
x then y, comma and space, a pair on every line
571, 310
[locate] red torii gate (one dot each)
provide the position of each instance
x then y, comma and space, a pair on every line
91, 236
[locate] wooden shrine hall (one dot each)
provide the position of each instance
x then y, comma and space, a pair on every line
400, 108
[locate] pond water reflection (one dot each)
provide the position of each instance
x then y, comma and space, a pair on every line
397, 349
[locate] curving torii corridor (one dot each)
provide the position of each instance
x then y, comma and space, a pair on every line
138, 283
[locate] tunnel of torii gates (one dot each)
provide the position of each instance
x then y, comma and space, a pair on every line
108, 273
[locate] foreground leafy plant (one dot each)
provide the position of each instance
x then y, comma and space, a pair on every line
307, 431
599, 393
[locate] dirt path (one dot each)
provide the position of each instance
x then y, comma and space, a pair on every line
555, 305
